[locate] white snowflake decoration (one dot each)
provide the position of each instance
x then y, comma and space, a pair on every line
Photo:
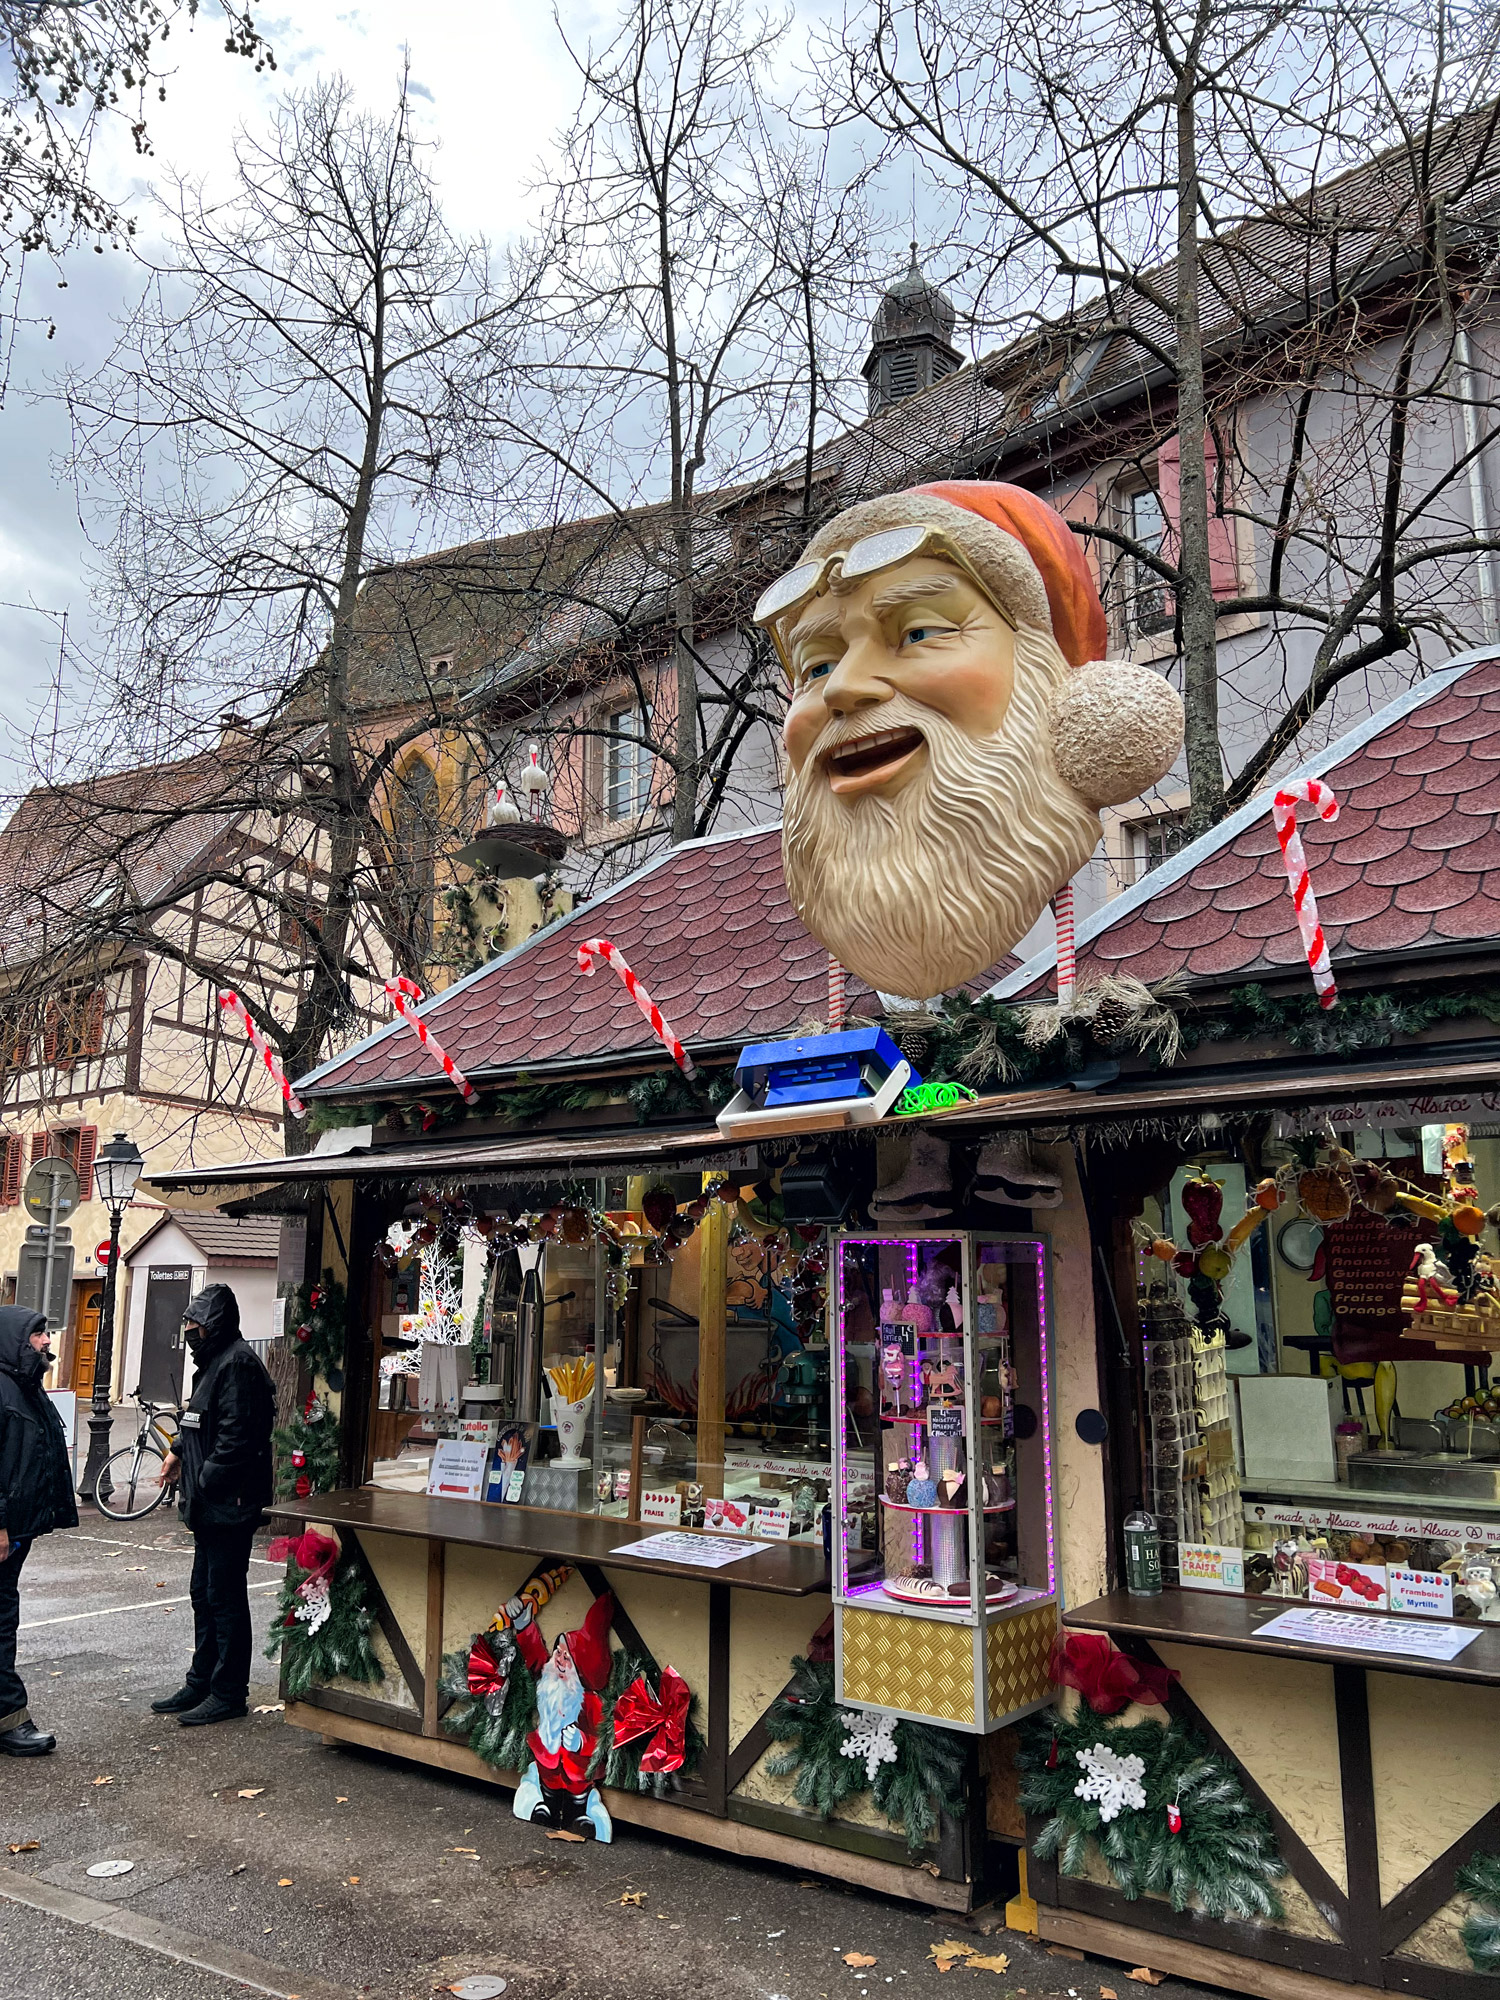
872, 1737
1113, 1780
314, 1606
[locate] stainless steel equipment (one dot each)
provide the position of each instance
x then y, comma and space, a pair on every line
1443, 1475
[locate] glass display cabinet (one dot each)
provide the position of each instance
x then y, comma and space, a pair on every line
944, 1552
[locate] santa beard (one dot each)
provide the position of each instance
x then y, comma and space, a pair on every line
920, 891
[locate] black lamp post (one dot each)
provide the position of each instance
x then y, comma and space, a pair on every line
117, 1168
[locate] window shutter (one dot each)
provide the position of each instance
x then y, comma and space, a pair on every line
93, 1023
15, 1161
38, 1147
86, 1146
1223, 544
49, 1036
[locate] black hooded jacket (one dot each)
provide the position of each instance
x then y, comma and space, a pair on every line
225, 1442
36, 1477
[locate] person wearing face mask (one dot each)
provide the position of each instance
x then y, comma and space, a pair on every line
222, 1461
36, 1496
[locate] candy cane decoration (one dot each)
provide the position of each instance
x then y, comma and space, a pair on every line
1067, 956
1309, 792
602, 948
837, 996
405, 996
233, 1004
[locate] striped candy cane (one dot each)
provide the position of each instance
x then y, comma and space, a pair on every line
597, 948
233, 1004
1309, 792
1067, 956
405, 997
837, 996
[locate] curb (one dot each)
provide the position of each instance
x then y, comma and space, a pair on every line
115, 1920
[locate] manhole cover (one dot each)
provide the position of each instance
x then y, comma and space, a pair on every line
105, 1868
478, 1986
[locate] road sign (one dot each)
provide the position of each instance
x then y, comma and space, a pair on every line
38, 1232
101, 1254
31, 1276
38, 1194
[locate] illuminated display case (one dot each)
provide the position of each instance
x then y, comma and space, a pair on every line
944, 1546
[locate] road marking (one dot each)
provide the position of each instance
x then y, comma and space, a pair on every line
150, 1548
166, 1940
108, 1610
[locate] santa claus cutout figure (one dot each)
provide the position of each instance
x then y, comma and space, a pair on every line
556, 1790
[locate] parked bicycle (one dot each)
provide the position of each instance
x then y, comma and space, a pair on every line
130, 1485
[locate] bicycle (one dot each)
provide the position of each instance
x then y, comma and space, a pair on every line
130, 1486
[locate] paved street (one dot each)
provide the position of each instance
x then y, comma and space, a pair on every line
344, 1873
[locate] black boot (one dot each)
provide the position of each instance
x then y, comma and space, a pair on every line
213, 1710
174, 1704
26, 1740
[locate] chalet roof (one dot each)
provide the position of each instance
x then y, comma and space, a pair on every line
1411, 865
225, 1241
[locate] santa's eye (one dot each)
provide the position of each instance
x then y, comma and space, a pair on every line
816, 670
917, 633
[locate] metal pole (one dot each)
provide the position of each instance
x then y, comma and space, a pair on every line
101, 1417
51, 1257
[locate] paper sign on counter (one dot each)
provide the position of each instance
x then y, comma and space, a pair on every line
1356, 1633
773, 1523
663, 1507
1361, 1584
458, 1470
695, 1551
1206, 1566
1427, 1593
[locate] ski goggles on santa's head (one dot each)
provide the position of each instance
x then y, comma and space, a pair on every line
780, 601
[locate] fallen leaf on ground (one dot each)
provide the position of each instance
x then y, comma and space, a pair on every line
1144, 1976
353, 1881
1108, 1993
947, 1954
161, 1586
250, 1791
341, 1801
104, 1781
996, 1962
859, 1958
565, 1833
285, 1882
22, 1846
269, 1707
636, 1896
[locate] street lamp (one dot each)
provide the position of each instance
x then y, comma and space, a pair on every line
117, 1168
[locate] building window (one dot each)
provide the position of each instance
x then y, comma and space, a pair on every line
75, 1027
1150, 608
1150, 842
627, 763
78, 1146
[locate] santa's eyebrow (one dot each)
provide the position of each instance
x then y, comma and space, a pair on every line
824, 624
915, 590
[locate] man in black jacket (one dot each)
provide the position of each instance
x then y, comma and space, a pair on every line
36, 1496
223, 1460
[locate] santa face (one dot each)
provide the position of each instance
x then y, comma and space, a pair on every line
926, 825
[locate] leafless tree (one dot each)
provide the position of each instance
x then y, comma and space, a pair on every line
1265, 234
310, 390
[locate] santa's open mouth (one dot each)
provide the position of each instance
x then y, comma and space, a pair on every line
865, 763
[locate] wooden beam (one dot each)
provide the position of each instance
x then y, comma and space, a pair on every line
1187, 1959
1426, 1894
716, 1759
1351, 1707
713, 1283
436, 1554
386, 1619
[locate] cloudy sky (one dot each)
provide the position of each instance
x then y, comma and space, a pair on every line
492, 83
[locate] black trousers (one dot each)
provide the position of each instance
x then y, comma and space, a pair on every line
12, 1688
221, 1613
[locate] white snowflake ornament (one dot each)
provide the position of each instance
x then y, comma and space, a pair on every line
872, 1737
1111, 1779
314, 1606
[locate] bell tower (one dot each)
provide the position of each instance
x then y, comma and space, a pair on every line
911, 340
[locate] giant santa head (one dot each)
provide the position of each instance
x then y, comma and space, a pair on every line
953, 728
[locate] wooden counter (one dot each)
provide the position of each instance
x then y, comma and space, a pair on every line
786, 1569
1215, 1618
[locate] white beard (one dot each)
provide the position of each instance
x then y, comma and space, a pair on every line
918, 892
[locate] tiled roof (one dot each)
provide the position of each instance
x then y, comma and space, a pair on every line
223, 1239
708, 929
1411, 864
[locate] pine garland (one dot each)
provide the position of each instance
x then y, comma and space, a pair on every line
318, 1330
926, 1779
307, 1452
498, 1740
1225, 1855
619, 1766
1480, 1878
340, 1648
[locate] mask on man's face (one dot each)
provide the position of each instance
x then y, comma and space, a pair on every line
193, 1335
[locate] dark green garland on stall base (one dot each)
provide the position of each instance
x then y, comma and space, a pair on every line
315, 1440
497, 1740
317, 1327
925, 1782
1480, 1878
339, 1649
1225, 1857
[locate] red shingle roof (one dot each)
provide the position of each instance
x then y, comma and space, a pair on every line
1411, 863
707, 928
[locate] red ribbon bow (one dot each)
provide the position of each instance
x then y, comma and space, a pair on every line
1107, 1680
485, 1674
638, 1713
311, 1551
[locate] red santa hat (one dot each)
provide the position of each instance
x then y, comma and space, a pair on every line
589, 1645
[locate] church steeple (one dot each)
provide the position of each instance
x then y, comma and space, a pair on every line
911, 340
